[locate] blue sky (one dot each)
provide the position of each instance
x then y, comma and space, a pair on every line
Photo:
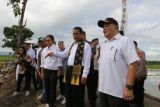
58, 17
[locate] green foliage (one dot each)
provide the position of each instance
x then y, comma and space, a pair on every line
11, 34
153, 64
15, 6
8, 58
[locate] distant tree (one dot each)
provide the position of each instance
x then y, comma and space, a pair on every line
19, 11
11, 33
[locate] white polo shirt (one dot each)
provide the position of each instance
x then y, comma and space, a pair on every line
115, 56
86, 56
32, 54
50, 63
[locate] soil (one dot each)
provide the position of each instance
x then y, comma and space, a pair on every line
7, 100
9, 85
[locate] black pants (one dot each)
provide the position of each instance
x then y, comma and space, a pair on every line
33, 77
27, 79
62, 85
138, 90
111, 101
92, 82
19, 81
75, 95
38, 79
50, 81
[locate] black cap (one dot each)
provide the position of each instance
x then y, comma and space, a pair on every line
107, 20
41, 39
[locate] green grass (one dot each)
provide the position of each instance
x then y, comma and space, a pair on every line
153, 66
7, 58
12, 58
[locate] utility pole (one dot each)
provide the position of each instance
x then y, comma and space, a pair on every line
124, 16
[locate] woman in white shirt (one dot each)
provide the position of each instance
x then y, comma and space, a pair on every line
50, 68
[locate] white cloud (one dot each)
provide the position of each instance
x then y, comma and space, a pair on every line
59, 17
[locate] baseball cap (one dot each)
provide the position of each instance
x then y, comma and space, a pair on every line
107, 20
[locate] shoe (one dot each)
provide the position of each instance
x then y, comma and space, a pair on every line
40, 96
59, 97
27, 93
15, 93
55, 104
47, 105
64, 100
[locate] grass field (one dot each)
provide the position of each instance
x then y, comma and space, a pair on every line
7, 58
12, 58
153, 66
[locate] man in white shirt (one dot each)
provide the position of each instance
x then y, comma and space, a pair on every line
79, 55
117, 66
92, 80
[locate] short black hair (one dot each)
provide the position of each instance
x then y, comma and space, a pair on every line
121, 32
135, 43
79, 28
24, 50
84, 33
50, 36
60, 42
94, 39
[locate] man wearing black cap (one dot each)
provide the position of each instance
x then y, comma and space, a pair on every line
117, 66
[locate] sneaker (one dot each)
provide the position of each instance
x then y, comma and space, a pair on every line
47, 105
64, 100
59, 97
27, 93
15, 93
40, 96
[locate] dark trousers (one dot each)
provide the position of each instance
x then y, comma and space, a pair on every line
50, 81
30, 75
138, 90
92, 82
75, 95
62, 85
39, 80
19, 81
33, 77
27, 79
111, 101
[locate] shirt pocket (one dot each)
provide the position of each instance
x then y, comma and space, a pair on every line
114, 54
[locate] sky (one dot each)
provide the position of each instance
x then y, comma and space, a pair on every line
59, 17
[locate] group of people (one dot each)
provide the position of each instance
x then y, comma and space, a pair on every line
116, 68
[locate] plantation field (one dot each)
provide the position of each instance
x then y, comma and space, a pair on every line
150, 64
8, 58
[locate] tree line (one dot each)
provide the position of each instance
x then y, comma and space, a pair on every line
153, 63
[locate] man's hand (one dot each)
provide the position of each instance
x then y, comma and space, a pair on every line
83, 80
128, 94
49, 54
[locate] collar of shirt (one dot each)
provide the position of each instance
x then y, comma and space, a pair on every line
117, 36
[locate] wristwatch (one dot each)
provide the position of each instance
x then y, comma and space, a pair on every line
129, 87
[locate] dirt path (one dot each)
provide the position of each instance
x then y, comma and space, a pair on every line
6, 99
8, 88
